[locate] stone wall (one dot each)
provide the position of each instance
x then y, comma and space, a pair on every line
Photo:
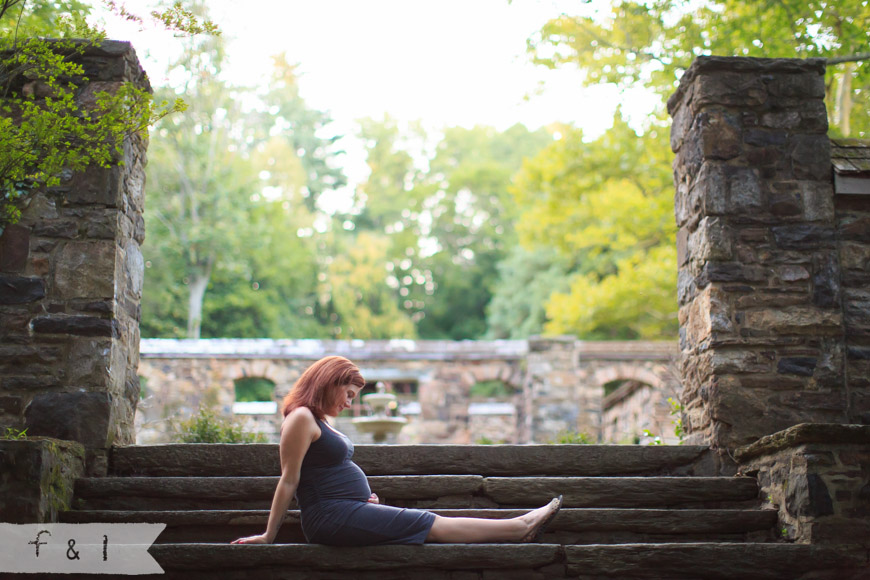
559, 382
762, 254
818, 478
553, 401
38, 476
188, 374
70, 283
852, 214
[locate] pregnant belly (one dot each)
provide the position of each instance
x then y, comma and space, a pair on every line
345, 481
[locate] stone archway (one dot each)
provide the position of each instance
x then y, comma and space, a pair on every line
635, 405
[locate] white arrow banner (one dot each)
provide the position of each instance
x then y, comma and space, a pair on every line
79, 548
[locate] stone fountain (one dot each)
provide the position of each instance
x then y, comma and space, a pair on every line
379, 423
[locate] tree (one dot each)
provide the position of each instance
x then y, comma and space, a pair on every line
526, 280
300, 129
450, 223
199, 180
230, 213
44, 129
354, 293
650, 43
270, 290
607, 206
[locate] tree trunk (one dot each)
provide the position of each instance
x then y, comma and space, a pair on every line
198, 284
844, 99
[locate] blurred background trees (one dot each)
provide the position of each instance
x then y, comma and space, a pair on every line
254, 228
463, 232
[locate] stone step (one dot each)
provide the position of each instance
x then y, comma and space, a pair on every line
718, 561
176, 460
571, 526
509, 561
429, 492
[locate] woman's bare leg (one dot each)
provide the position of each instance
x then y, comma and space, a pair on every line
447, 530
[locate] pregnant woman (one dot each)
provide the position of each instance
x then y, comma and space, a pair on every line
337, 506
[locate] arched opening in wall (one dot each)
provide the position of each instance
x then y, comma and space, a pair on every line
254, 396
631, 412
492, 412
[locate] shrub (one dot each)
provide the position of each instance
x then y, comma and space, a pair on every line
571, 438
487, 441
207, 426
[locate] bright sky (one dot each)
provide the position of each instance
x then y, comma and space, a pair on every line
445, 62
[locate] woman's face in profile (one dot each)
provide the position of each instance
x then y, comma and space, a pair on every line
350, 392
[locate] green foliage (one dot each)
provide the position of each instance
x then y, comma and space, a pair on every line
13, 434
526, 279
491, 389
230, 249
487, 441
251, 389
179, 19
450, 224
207, 426
47, 130
571, 438
633, 43
653, 438
359, 303
677, 413
606, 205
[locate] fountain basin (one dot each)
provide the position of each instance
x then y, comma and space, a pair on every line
379, 427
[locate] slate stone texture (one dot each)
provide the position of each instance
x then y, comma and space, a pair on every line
70, 286
774, 280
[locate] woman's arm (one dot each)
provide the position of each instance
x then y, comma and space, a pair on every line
297, 433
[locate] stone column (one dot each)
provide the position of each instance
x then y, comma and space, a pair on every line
70, 284
761, 329
555, 400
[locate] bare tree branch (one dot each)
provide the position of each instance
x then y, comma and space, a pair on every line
850, 58
5, 5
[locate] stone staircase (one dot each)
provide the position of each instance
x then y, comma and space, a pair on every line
629, 512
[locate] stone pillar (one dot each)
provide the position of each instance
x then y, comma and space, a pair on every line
761, 325
555, 400
70, 284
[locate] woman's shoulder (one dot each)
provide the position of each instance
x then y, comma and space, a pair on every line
300, 418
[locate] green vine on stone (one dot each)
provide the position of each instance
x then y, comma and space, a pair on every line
46, 131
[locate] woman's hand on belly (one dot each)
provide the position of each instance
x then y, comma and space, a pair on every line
373, 498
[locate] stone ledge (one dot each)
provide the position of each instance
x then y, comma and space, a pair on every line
439, 556
828, 433
719, 561
186, 459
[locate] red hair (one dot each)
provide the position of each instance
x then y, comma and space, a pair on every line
319, 387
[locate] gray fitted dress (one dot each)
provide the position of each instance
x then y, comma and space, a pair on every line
333, 495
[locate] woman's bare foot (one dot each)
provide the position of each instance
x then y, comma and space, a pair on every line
537, 520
